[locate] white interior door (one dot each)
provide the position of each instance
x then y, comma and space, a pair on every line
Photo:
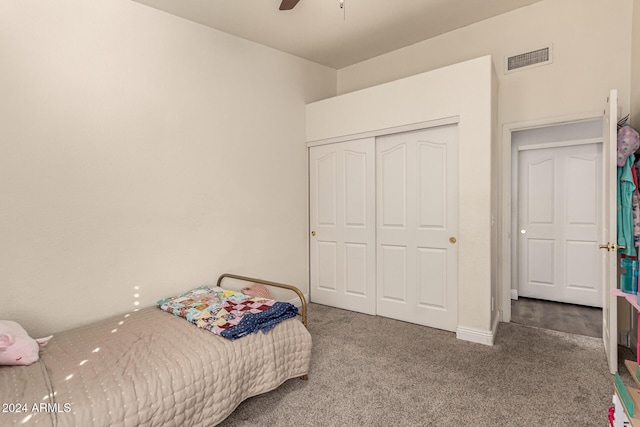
342, 224
417, 216
559, 219
609, 237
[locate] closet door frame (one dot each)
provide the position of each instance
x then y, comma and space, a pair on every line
453, 120
388, 131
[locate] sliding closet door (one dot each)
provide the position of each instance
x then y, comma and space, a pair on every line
342, 225
417, 226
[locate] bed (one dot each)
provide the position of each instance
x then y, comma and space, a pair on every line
150, 368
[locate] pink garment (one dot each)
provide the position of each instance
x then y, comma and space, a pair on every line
628, 142
257, 290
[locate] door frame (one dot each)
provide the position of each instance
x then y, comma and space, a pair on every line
507, 268
445, 121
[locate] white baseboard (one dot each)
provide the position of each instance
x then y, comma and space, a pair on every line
477, 335
514, 294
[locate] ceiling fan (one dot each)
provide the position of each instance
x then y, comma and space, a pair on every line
288, 4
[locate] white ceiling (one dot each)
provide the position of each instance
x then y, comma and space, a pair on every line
321, 31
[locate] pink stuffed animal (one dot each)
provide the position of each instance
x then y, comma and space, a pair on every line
16, 346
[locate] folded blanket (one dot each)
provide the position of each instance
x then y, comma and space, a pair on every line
264, 321
229, 314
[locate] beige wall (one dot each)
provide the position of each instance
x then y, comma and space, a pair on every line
591, 44
142, 150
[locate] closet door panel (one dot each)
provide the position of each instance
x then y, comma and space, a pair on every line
326, 177
393, 280
355, 169
393, 186
432, 278
356, 268
432, 184
342, 225
417, 209
327, 257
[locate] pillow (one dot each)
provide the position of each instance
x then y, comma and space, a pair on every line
257, 290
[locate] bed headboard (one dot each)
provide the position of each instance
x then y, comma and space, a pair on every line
303, 310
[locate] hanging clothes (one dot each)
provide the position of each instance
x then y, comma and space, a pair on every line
628, 142
626, 188
635, 203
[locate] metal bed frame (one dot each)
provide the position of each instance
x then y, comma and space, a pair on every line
302, 312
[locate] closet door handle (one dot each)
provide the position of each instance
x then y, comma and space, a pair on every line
313, 233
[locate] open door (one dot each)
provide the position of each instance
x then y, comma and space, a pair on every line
609, 238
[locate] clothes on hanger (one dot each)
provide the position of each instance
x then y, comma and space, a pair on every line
635, 203
628, 201
626, 188
628, 142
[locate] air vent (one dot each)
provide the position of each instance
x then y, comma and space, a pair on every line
528, 59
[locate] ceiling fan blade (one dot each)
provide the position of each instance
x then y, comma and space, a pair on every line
288, 4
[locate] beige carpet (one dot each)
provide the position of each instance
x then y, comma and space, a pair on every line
372, 371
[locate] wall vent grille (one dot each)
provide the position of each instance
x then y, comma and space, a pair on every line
528, 59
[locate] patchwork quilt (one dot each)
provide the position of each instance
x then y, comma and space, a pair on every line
227, 313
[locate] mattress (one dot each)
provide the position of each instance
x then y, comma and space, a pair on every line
149, 368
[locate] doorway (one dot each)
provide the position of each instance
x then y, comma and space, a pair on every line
555, 224
559, 220
557, 316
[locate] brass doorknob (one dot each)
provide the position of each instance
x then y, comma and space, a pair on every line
313, 233
452, 240
612, 247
